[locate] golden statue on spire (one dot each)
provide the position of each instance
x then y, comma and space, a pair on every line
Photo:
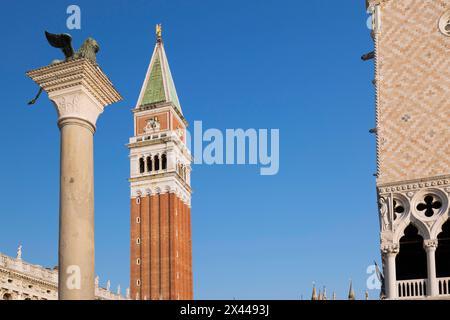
158, 31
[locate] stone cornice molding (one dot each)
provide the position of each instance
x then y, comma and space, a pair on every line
78, 89
28, 277
145, 179
148, 188
417, 184
371, 3
166, 140
73, 73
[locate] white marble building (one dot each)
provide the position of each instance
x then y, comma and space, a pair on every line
20, 280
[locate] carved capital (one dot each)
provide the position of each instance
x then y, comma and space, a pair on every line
76, 105
389, 248
430, 244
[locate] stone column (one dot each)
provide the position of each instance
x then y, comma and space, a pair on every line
430, 247
390, 251
80, 91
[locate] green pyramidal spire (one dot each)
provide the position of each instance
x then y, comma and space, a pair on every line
158, 84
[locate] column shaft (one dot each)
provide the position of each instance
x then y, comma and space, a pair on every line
390, 277
432, 289
76, 233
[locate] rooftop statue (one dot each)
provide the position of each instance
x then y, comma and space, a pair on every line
63, 41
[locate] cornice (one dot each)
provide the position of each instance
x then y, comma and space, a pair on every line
159, 105
370, 3
414, 184
31, 278
73, 73
154, 176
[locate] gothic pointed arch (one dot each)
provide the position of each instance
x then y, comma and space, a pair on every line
422, 229
411, 261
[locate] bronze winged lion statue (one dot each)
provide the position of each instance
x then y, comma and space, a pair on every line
63, 41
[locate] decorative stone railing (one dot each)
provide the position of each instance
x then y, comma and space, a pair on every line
410, 289
159, 135
153, 172
29, 269
50, 277
153, 136
444, 286
104, 294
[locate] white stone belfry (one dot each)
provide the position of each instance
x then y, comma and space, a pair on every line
80, 91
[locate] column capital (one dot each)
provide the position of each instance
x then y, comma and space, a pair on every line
390, 248
430, 244
78, 88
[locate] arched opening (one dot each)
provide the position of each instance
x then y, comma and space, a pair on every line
443, 252
164, 161
156, 162
411, 261
7, 296
149, 164
141, 165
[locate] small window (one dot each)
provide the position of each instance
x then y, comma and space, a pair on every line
138, 220
156, 159
138, 283
138, 261
141, 165
164, 161
138, 241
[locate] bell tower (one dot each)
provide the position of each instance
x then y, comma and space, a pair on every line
160, 166
412, 81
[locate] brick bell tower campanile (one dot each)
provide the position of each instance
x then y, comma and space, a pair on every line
160, 165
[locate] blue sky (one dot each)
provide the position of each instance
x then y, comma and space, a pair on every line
292, 65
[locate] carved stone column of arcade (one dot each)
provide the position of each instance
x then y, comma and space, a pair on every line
430, 247
390, 252
80, 91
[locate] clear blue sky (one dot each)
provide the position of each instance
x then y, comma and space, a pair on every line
293, 65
